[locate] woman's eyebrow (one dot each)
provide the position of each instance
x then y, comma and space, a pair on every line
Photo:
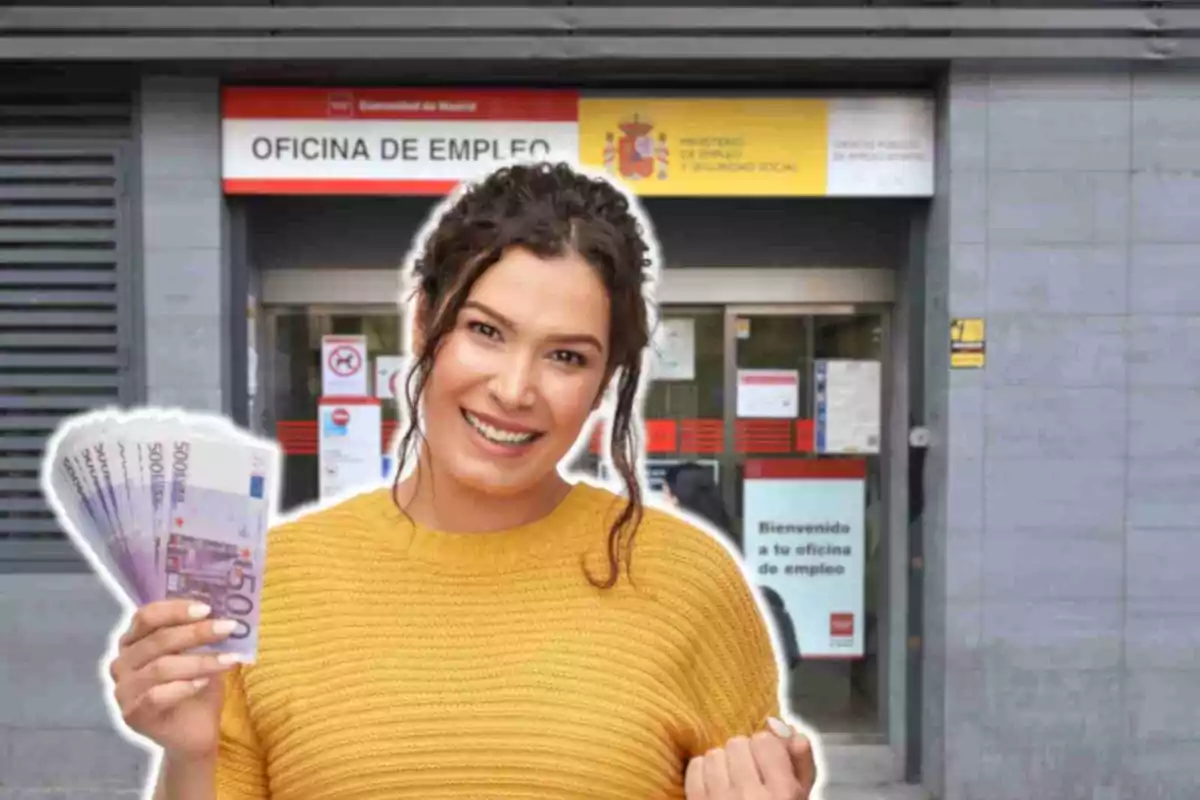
577, 338
564, 338
491, 312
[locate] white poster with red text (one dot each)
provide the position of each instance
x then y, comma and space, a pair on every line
407, 141
391, 373
804, 529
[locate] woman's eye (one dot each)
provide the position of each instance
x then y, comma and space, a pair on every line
569, 357
484, 329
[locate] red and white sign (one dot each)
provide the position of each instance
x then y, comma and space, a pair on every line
768, 393
344, 366
841, 626
805, 538
390, 374
387, 141
350, 437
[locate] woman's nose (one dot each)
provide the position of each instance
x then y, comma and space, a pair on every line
514, 385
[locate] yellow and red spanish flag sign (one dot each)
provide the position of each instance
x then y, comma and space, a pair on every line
725, 147
761, 147
425, 141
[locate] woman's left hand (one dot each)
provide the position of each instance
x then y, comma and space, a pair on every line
763, 767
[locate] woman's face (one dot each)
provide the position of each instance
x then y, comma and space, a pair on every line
519, 373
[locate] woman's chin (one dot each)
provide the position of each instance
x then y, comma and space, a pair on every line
495, 479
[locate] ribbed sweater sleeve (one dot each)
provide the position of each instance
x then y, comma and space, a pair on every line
732, 676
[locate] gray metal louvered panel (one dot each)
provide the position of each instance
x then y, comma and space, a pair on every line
66, 310
38, 107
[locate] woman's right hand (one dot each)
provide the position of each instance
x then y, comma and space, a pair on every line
166, 694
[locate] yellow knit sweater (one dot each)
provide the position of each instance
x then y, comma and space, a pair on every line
400, 662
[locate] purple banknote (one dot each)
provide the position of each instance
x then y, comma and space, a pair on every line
170, 505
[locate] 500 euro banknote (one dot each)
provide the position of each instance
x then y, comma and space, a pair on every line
170, 505
80, 477
217, 520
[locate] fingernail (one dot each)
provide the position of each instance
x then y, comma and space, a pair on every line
200, 683
199, 611
224, 626
227, 658
781, 728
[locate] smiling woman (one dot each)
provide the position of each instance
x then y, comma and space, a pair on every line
487, 627
517, 305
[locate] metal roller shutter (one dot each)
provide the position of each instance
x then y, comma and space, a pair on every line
65, 307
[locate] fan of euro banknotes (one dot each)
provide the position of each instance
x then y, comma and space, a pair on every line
169, 504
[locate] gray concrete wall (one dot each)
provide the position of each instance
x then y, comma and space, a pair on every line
183, 238
1064, 549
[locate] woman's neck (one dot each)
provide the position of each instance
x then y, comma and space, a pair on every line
436, 501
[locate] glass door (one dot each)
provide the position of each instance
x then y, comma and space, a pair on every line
292, 379
804, 433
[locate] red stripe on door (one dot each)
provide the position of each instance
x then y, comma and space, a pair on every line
806, 436
763, 436
702, 436
660, 437
297, 437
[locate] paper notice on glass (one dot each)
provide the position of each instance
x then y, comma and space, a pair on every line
805, 531
350, 442
344, 366
773, 393
390, 375
849, 406
675, 350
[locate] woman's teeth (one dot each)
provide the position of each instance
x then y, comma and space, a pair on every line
496, 434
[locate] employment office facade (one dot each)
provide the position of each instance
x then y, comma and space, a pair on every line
999, 253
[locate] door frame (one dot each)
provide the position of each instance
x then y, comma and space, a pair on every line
893, 465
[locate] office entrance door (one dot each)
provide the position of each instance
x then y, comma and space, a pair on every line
805, 454
784, 405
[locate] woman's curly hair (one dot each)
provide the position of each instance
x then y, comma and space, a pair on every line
550, 210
